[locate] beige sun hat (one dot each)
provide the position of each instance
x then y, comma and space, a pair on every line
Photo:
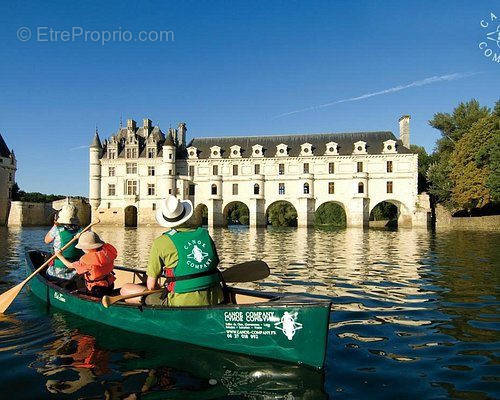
173, 212
68, 215
89, 240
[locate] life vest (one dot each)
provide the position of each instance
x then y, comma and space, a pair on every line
71, 253
100, 266
197, 265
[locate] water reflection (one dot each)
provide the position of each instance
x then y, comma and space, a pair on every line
415, 315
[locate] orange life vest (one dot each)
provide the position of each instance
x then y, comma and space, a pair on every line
100, 265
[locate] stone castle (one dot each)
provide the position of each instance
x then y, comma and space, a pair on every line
8, 167
139, 165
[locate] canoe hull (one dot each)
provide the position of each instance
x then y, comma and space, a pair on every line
288, 331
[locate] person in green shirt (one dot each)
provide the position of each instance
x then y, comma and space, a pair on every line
187, 257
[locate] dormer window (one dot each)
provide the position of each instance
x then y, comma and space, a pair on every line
281, 150
359, 147
331, 149
389, 147
215, 152
131, 152
257, 151
192, 152
151, 152
111, 154
306, 150
235, 151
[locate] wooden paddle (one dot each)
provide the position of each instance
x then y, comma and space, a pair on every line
246, 272
8, 297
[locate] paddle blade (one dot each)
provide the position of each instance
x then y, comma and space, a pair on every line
106, 301
247, 272
8, 297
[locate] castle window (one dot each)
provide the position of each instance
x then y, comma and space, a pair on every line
109, 206
191, 190
151, 171
131, 168
191, 170
256, 189
281, 188
111, 190
154, 206
331, 187
151, 153
389, 186
111, 153
111, 171
215, 170
256, 169
151, 189
10, 177
361, 187
306, 188
131, 188
131, 152
389, 166
169, 156
235, 189
306, 168
214, 189
281, 169
170, 172
360, 167
331, 168
235, 170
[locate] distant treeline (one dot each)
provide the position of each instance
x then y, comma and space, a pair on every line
34, 197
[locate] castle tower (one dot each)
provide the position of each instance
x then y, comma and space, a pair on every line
8, 166
404, 130
181, 134
95, 151
168, 184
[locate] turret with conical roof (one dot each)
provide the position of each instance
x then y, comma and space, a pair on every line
95, 151
97, 141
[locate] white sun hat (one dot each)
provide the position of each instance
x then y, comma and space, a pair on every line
173, 212
68, 215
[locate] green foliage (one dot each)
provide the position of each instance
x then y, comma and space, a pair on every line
424, 161
237, 213
282, 213
330, 214
464, 169
384, 211
34, 197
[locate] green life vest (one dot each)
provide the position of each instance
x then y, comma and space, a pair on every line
196, 255
71, 253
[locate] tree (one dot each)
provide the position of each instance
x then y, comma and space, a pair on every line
424, 161
384, 211
238, 213
282, 213
33, 197
330, 214
442, 174
470, 165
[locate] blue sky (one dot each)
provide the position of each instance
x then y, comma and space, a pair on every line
232, 68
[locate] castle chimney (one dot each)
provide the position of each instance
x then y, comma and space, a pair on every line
404, 130
131, 124
181, 134
146, 123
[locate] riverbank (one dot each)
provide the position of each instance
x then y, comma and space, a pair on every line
445, 221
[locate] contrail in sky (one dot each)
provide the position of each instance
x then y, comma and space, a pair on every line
79, 147
422, 82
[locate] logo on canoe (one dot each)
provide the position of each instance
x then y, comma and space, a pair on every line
59, 297
197, 254
288, 324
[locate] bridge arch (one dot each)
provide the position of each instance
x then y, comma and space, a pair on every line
330, 213
281, 213
200, 215
236, 213
389, 213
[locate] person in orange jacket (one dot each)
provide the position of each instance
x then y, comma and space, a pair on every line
96, 265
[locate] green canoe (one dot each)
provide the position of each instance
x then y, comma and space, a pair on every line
280, 327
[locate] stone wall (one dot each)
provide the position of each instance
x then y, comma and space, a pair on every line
444, 220
42, 214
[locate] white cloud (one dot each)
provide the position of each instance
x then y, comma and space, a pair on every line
79, 147
422, 82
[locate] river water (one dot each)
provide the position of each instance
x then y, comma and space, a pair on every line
415, 315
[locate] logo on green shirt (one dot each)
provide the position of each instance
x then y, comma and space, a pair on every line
196, 258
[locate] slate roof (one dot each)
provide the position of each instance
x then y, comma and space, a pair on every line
96, 142
4, 150
374, 143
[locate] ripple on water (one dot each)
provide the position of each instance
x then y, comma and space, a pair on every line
414, 315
